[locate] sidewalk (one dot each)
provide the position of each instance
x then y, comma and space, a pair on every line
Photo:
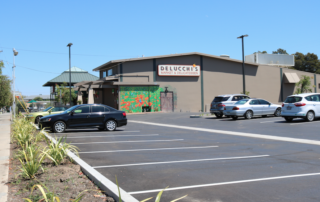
4, 154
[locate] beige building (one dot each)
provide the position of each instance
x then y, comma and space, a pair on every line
185, 82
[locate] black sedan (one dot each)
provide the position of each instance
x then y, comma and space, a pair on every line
85, 116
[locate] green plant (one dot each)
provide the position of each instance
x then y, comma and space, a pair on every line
247, 93
157, 198
303, 86
79, 102
31, 150
58, 151
50, 196
23, 132
32, 163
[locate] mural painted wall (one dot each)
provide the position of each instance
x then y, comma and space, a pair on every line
133, 98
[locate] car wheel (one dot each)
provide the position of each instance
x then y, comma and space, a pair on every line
111, 125
37, 119
248, 115
288, 119
218, 115
59, 127
277, 113
234, 117
309, 116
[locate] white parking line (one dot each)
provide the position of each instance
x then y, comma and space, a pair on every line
129, 141
204, 147
98, 132
224, 183
185, 161
112, 136
302, 123
252, 135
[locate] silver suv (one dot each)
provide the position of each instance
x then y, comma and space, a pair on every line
221, 101
305, 105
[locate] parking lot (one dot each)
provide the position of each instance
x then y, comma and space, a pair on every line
209, 159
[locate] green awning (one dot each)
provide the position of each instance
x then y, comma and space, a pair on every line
32, 101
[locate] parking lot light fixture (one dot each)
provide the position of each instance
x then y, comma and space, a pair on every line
69, 45
243, 71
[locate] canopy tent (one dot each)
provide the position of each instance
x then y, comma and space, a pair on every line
32, 101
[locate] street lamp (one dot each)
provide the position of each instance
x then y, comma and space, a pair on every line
243, 72
15, 53
70, 44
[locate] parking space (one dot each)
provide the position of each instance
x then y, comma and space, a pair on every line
262, 159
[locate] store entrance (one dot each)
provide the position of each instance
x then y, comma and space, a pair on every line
166, 101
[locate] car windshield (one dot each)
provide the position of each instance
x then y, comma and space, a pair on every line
293, 99
47, 109
70, 109
220, 99
241, 102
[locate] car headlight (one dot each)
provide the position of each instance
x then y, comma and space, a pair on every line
46, 120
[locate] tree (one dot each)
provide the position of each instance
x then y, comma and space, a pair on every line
263, 52
65, 93
303, 86
307, 63
280, 51
38, 98
1, 66
5, 91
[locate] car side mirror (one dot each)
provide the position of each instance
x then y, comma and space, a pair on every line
71, 113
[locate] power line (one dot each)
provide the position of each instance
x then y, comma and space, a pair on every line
34, 69
60, 53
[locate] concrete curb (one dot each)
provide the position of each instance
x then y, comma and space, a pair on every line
103, 183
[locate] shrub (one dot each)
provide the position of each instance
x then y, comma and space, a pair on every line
57, 152
23, 132
31, 163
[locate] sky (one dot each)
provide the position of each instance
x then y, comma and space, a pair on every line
107, 30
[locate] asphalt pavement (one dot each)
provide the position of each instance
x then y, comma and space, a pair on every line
209, 159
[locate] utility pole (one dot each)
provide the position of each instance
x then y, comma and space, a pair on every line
15, 53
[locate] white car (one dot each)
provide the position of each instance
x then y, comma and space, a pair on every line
249, 108
305, 105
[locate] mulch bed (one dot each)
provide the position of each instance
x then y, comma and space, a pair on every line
66, 181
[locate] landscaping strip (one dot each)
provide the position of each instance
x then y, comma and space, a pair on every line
104, 183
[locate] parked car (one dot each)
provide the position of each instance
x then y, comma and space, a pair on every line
221, 101
306, 105
85, 116
35, 116
249, 108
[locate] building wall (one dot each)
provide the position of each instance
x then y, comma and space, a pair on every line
137, 71
110, 98
219, 77
186, 90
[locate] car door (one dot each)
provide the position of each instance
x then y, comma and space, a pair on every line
256, 108
80, 117
266, 107
98, 114
314, 102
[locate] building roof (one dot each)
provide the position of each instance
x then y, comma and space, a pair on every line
116, 62
77, 75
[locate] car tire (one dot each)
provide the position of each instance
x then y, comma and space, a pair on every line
310, 116
37, 119
248, 114
218, 115
234, 117
59, 127
277, 113
111, 125
288, 119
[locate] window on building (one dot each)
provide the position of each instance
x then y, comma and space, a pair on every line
110, 72
104, 74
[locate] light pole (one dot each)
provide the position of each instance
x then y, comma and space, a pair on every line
15, 53
70, 44
243, 72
